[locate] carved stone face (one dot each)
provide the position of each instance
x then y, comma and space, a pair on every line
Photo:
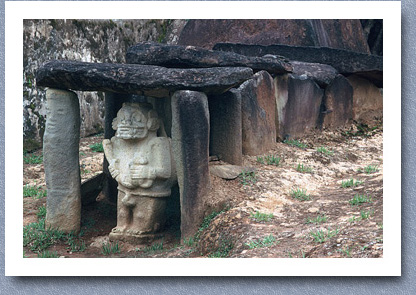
131, 122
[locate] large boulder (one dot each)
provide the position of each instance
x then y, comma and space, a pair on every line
342, 34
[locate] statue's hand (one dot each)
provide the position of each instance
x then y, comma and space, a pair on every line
113, 168
142, 175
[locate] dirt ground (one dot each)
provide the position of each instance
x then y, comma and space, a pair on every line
257, 214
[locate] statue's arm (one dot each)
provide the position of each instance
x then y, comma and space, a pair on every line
113, 163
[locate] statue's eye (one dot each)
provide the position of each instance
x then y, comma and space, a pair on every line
137, 117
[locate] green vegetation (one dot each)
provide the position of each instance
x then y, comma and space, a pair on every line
300, 194
360, 199
33, 191
366, 214
320, 235
47, 254
303, 169
154, 247
325, 151
267, 241
345, 251
110, 248
269, 160
190, 242
260, 217
32, 159
41, 212
296, 143
97, 147
226, 246
317, 220
362, 130
351, 183
248, 177
370, 169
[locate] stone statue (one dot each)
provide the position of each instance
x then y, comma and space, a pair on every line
142, 164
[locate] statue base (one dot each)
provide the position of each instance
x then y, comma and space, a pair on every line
135, 238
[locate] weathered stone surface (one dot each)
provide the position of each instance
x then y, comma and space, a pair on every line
228, 171
337, 103
91, 188
343, 34
226, 127
344, 61
142, 164
177, 56
258, 107
367, 100
320, 73
373, 31
137, 79
298, 102
190, 143
61, 161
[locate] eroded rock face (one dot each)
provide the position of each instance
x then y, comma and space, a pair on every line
142, 164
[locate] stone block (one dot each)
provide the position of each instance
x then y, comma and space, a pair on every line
61, 161
258, 108
298, 102
337, 103
190, 144
226, 127
91, 188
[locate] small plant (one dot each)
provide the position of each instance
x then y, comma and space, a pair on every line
353, 219
370, 169
32, 159
345, 251
317, 220
41, 212
223, 250
269, 160
260, 217
351, 183
47, 254
303, 169
325, 151
300, 194
366, 214
154, 247
360, 199
39, 238
190, 242
33, 191
320, 236
97, 147
268, 241
296, 143
248, 177
110, 248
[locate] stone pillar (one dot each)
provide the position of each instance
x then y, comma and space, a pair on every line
61, 161
225, 125
190, 144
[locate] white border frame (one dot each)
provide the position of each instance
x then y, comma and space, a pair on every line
389, 265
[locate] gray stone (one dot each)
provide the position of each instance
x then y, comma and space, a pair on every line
258, 107
367, 100
226, 127
228, 172
177, 56
337, 103
298, 102
190, 143
61, 161
138, 79
344, 61
320, 73
91, 188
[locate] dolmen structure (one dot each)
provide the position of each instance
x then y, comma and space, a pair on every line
169, 108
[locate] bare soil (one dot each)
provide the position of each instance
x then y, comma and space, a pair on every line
345, 230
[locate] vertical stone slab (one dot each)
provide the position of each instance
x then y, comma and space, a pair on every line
258, 107
190, 144
337, 103
61, 161
225, 126
298, 103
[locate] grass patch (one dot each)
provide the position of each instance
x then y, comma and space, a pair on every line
268, 241
154, 247
41, 212
47, 254
247, 177
97, 147
190, 242
32, 159
351, 183
110, 248
325, 151
33, 191
296, 143
370, 169
304, 169
300, 194
360, 199
37, 238
269, 160
320, 235
223, 250
317, 220
260, 217
366, 214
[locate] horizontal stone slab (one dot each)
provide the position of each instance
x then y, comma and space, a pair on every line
344, 61
322, 74
138, 79
177, 56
